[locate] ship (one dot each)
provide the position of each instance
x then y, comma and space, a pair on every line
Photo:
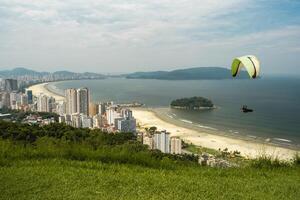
245, 109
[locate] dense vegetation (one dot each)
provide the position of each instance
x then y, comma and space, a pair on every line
60, 140
18, 116
192, 103
61, 162
198, 73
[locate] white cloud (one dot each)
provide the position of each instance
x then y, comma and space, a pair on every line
115, 35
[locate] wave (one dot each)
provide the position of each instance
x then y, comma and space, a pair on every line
186, 121
282, 140
206, 127
170, 116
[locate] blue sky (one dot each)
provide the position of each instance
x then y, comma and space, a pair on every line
124, 36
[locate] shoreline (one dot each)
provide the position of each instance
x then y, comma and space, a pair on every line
147, 117
200, 137
43, 89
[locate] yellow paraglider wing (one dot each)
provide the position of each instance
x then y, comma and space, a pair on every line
250, 63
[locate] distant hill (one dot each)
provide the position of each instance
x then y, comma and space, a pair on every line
18, 72
198, 73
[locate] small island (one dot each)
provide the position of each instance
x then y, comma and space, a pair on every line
192, 103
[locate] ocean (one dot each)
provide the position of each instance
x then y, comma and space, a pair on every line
276, 103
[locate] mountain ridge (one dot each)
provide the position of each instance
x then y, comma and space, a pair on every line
21, 71
195, 73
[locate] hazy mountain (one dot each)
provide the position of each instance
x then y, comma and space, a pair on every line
20, 71
197, 73
58, 74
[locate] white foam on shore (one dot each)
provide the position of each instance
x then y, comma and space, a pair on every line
186, 121
252, 136
170, 116
206, 127
282, 140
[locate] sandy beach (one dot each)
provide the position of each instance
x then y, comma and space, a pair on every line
42, 89
147, 118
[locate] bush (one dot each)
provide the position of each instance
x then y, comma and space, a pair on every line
265, 161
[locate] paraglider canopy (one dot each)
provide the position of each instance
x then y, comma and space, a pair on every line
251, 64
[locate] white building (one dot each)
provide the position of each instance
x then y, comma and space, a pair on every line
148, 140
111, 114
24, 99
175, 145
86, 121
97, 121
45, 103
61, 119
13, 99
71, 101
162, 141
42, 103
76, 120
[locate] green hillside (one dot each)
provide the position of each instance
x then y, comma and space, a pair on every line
60, 162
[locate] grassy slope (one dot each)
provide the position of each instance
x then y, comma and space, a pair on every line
67, 179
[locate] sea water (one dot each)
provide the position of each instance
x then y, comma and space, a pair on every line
276, 103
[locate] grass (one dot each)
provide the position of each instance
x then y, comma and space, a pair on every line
44, 171
69, 179
198, 150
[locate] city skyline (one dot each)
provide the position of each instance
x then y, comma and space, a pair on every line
118, 37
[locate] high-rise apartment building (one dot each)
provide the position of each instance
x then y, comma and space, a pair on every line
93, 109
29, 96
175, 145
111, 114
162, 141
45, 103
10, 85
71, 101
83, 101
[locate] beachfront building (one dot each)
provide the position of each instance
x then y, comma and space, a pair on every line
148, 140
83, 101
71, 101
162, 141
111, 114
127, 125
175, 145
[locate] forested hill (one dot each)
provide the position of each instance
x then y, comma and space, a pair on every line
198, 73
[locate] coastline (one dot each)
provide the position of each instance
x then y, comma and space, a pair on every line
43, 89
250, 149
207, 138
